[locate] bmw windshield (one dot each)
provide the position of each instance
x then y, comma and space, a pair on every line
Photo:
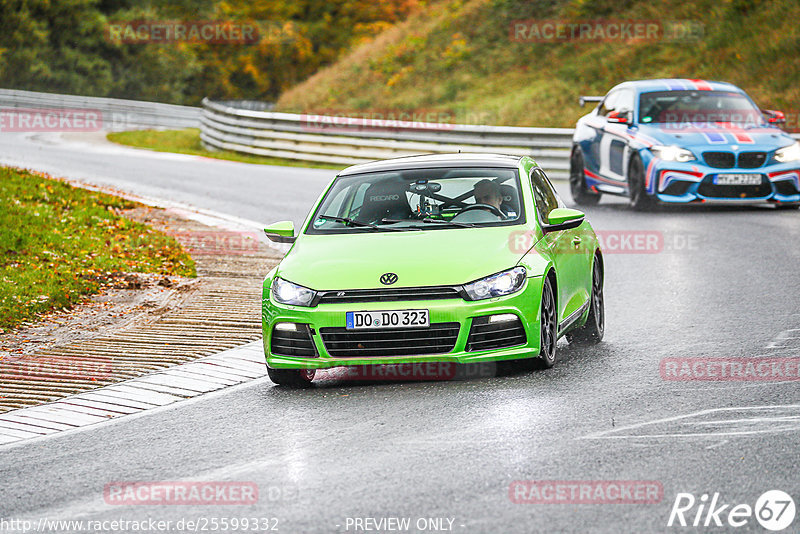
705, 107
420, 199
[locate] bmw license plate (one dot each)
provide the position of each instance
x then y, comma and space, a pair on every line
387, 319
737, 179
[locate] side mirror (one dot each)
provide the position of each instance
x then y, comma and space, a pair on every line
281, 232
583, 100
774, 116
618, 117
563, 219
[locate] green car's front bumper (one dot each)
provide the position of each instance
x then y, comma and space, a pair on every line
524, 304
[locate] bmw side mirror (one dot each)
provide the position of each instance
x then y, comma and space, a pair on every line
563, 219
774, 116
281, 232
618, 117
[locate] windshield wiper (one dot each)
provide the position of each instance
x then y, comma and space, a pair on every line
353, 222
449, 223
429, 220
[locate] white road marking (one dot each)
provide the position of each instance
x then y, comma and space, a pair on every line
788, 339
772, 424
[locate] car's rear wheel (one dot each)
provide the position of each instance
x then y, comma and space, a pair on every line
293, 378
594, 328
640, 200
548, 336
577, 181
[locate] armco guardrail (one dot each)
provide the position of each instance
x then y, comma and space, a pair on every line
117, 114
347, 141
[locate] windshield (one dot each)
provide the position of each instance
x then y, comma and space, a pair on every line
707, 107
420, 199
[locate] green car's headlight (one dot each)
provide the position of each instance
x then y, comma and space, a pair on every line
672, 153
286, 292
497, 285
788, 153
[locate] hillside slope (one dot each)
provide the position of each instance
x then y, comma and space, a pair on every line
459, 57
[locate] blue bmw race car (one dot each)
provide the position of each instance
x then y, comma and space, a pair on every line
680, 141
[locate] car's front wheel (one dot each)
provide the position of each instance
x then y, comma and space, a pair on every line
293, 378
640, 200
577, 181
548, 336
594, 328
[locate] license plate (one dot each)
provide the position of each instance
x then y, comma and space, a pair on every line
387, 319
737, 179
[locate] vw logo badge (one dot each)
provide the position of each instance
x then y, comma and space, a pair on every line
388, 279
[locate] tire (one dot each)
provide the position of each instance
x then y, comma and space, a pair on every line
787, 206
594, 328
577, 181
292, 378
640, 200
548, 330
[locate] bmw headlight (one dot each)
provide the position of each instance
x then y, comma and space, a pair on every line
788, 153
672, 153
286, 292
497, 285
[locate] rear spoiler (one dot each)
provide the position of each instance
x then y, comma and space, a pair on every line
584, 99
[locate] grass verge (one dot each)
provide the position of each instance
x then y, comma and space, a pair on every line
59, 244
479, 62
188, 142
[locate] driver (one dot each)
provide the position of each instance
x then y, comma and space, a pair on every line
488, 192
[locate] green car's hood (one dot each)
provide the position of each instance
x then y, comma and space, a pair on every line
418, 258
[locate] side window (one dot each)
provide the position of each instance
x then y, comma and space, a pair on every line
335, 206
543, 195
609, 104
358, 200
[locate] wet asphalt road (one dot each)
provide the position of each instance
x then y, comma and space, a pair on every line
725, 284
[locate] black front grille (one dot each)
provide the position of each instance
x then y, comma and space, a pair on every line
709, 189
785, 187
439, 338
677, 188
720, 160
389, 294
293, 342
487, 335
752, 160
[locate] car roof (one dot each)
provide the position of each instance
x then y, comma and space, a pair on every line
435, 160
673, 84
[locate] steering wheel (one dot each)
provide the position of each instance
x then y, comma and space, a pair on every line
488, 207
